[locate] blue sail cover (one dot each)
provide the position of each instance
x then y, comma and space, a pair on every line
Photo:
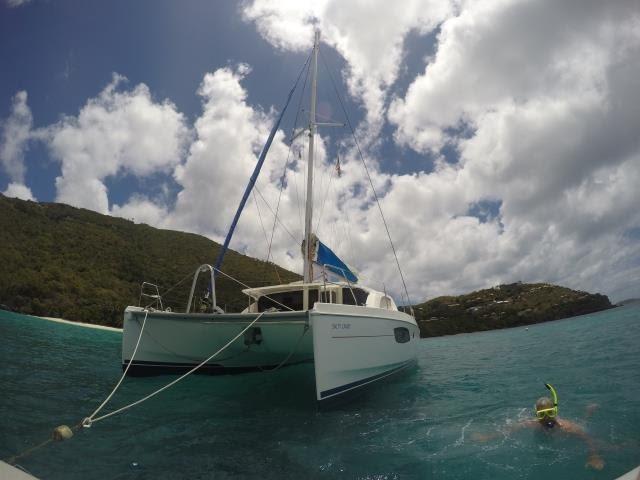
326, 258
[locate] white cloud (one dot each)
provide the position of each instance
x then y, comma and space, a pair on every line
221, 157
118, 132
369, 35
287, 24
16, 3
18, 190
498, 55
16, 131
229, 137
538, 99
141, 209
545, 93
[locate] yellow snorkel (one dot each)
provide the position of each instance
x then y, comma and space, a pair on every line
552, 412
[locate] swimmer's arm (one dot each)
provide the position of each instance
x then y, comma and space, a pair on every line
594, 460
530, 423
590, 409
577, 430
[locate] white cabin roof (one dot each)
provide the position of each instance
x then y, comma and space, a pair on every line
299, 285
375, 298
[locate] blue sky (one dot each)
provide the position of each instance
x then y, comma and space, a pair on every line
63, 53
74, 48
503, 138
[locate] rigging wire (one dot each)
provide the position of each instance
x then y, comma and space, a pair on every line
254, 175
247, 286
326, 194
274, 214
366, 169
320, 172
188, 275
348, 233
264, 231
284, 173
295, 184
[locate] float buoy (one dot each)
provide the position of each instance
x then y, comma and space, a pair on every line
63, 432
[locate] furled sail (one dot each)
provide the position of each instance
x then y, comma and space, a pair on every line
328, 261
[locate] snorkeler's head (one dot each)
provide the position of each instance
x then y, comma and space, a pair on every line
547, 409
544, 403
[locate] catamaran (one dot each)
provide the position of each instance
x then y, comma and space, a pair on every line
353, 335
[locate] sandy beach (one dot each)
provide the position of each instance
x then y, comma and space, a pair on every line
80, 324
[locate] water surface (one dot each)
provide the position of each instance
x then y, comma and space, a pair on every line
422, 424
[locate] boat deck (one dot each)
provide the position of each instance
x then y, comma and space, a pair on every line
8, 472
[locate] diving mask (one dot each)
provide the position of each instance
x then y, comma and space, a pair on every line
547, 413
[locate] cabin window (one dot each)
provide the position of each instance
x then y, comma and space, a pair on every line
293, 300
359, 294
327, 296
385, 302
402, 334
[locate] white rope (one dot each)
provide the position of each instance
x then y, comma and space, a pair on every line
87, 422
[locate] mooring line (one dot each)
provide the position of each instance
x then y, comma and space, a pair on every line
63, 432
89, 419
182, 377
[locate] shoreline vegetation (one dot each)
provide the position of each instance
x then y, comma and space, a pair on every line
505, 306
68, 263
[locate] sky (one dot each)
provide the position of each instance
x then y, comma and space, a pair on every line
502, 137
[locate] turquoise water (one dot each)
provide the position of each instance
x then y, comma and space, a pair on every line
419, 425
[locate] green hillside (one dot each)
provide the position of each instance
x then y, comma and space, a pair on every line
61, 261
504, 306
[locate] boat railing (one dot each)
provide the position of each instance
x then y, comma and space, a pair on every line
150, 290
202, 269
344, 275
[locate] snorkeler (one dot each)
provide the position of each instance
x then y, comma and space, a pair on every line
547, 419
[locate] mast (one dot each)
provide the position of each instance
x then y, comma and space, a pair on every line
308, 216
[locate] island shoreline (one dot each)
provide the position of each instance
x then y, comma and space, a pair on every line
68, 322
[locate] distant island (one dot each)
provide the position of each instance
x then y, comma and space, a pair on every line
76, 264
504, 306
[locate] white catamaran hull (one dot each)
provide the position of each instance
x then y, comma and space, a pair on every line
357, 346
350, 346
177, 342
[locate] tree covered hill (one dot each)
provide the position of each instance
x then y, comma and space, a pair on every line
504, 306
61, 261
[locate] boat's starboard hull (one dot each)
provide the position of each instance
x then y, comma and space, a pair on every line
357, 346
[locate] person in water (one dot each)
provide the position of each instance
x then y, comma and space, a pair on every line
546, 411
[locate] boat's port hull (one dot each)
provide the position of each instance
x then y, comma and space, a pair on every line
174, 343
